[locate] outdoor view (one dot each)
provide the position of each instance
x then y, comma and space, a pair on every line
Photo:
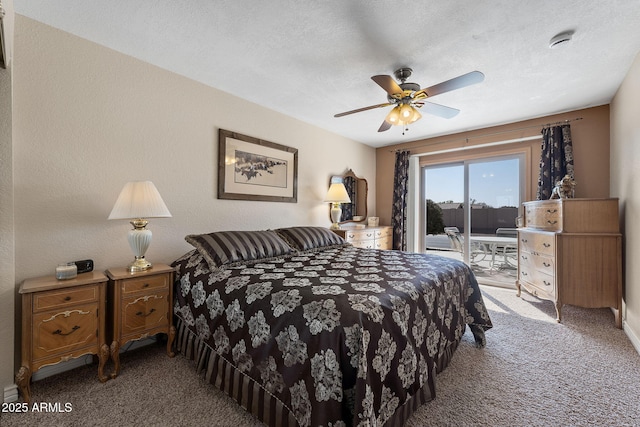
494, 197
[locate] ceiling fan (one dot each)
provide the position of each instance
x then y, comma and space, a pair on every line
408, 97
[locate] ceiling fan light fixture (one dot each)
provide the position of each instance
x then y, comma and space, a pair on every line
415, 116
406, 112
394, 116
405, 98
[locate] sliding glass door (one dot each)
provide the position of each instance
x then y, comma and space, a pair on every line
475, 198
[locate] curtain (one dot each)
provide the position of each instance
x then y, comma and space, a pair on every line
556, 160
399, 208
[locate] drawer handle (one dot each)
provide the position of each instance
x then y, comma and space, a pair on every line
146, 285
145, 315
546, 264
525, 257
59, 332
552, 211
546, 245
524, 273
552, 222
524, 240
67, 298
546, 283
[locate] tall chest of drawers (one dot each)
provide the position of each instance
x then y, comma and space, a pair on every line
570, 252
368, 237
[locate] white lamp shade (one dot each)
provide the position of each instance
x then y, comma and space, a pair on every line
337, 194
139, 199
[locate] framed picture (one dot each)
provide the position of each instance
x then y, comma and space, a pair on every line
254, 169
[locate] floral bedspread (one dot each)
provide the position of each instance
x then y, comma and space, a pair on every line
340, 336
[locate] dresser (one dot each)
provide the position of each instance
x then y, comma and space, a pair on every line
380, 237
61, 320
140, 305
570, 252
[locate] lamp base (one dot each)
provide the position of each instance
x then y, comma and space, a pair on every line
139, 240
140, 264
336, 215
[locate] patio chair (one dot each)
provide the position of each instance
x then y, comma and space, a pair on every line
478, 251
509, 252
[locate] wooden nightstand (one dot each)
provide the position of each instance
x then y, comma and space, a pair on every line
61, 320
140, 305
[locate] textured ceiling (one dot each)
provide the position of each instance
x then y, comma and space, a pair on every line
313, 59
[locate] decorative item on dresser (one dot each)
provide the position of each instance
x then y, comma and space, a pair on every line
140, 305
61, 320
570, 252
380, 237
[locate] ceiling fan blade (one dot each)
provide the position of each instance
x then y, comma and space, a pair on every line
438, 110
453, 84
384, 126
370, 107
387, 83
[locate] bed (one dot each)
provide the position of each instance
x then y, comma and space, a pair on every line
301, 328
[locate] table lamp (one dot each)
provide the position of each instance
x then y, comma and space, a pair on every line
337, 194
137, 201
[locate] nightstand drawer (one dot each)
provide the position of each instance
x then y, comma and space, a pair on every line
133, 285
64, 298
62, 332
144, 313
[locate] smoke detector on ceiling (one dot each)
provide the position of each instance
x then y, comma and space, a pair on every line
560, 39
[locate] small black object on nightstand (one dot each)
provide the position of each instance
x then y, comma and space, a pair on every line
84, 266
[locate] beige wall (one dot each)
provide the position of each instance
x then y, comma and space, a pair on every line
590, 145
625, 184
7, 277
88, 119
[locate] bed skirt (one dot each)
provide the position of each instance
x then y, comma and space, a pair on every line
259, 402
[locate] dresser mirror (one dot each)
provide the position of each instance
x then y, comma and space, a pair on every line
357, 188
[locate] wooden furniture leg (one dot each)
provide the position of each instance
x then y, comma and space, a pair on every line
23, 380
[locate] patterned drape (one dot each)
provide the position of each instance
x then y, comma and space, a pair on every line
399, 209
349, 209
556, 160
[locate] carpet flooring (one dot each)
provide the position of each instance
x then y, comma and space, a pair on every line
533, 372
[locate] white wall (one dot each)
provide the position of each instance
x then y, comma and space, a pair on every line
625, 184
88, 119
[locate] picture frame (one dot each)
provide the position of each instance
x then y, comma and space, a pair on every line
254, 169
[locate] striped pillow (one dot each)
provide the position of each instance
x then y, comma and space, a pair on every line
305, 238
226, 247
